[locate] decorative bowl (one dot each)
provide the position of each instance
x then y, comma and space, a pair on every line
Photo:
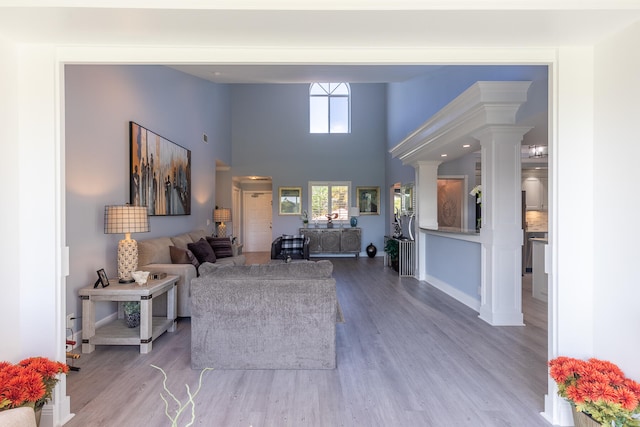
140, 277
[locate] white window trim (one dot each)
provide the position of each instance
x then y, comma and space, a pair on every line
329, 96
328, 183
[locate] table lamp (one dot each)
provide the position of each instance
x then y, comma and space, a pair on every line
126, 220
221, 215
354, 213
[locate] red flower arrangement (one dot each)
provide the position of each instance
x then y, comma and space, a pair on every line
598, 388
29, 383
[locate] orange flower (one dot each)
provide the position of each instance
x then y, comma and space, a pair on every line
627, 399
30, 382
599, 388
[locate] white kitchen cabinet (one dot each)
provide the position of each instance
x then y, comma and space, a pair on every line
535, 193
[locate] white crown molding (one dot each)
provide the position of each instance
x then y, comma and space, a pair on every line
483, 104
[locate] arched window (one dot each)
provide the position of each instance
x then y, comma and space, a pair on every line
329, 108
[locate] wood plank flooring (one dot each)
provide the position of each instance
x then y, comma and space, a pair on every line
407, 355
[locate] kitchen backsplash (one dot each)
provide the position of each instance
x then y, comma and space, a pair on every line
537, 220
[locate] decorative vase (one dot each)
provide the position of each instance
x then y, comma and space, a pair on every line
132, 319
580, 419
371, 250
131, 314
353, 221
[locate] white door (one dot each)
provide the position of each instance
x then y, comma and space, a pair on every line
236, 212
257, 221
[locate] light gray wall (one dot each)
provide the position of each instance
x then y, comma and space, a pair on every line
99, 103
271, 138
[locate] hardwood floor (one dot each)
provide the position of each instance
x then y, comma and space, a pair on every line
407, 355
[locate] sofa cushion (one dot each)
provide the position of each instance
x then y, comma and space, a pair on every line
182, 241
197, 235
154, 251
183, 256
203, 251
221, 246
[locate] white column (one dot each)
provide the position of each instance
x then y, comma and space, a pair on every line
501, 233
427, 193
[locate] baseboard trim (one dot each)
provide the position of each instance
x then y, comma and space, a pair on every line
454, 293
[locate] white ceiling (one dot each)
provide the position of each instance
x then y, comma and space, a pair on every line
317, 24
237, 73
335, 32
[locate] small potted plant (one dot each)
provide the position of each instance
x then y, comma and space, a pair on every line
392, 248
305, 218
131, 311
598, 391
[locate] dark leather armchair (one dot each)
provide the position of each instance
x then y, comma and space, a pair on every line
297, 247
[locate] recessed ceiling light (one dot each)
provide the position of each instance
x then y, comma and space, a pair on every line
443, 155
466, 146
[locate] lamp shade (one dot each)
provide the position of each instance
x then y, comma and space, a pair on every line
125, 219
221, 215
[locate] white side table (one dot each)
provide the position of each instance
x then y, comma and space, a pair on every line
117, 332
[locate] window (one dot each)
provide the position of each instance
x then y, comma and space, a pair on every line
329, 198
329, 108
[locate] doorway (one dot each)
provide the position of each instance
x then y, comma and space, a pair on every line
257, 221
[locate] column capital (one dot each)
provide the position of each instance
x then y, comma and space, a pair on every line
502, 133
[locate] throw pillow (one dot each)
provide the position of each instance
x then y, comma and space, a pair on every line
183, 256
291, 245
221, 246
203, 251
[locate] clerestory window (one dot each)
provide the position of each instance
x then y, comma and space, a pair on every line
329, 108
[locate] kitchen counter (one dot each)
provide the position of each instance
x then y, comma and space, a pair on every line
526, 251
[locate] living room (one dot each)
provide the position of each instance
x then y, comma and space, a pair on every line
583, 151
258, 129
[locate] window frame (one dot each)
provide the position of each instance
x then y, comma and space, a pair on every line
329, 95
329, 184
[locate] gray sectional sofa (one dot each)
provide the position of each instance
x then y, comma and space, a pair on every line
269, 316
154, 255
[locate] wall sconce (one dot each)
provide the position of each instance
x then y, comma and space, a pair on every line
221, 215
126, 220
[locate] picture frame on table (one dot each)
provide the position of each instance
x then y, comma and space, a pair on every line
102, 279
368, 200
290, 201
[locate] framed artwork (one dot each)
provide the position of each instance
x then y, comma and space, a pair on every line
160, 173
451, 202
290, 201
102, 279
368, 200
